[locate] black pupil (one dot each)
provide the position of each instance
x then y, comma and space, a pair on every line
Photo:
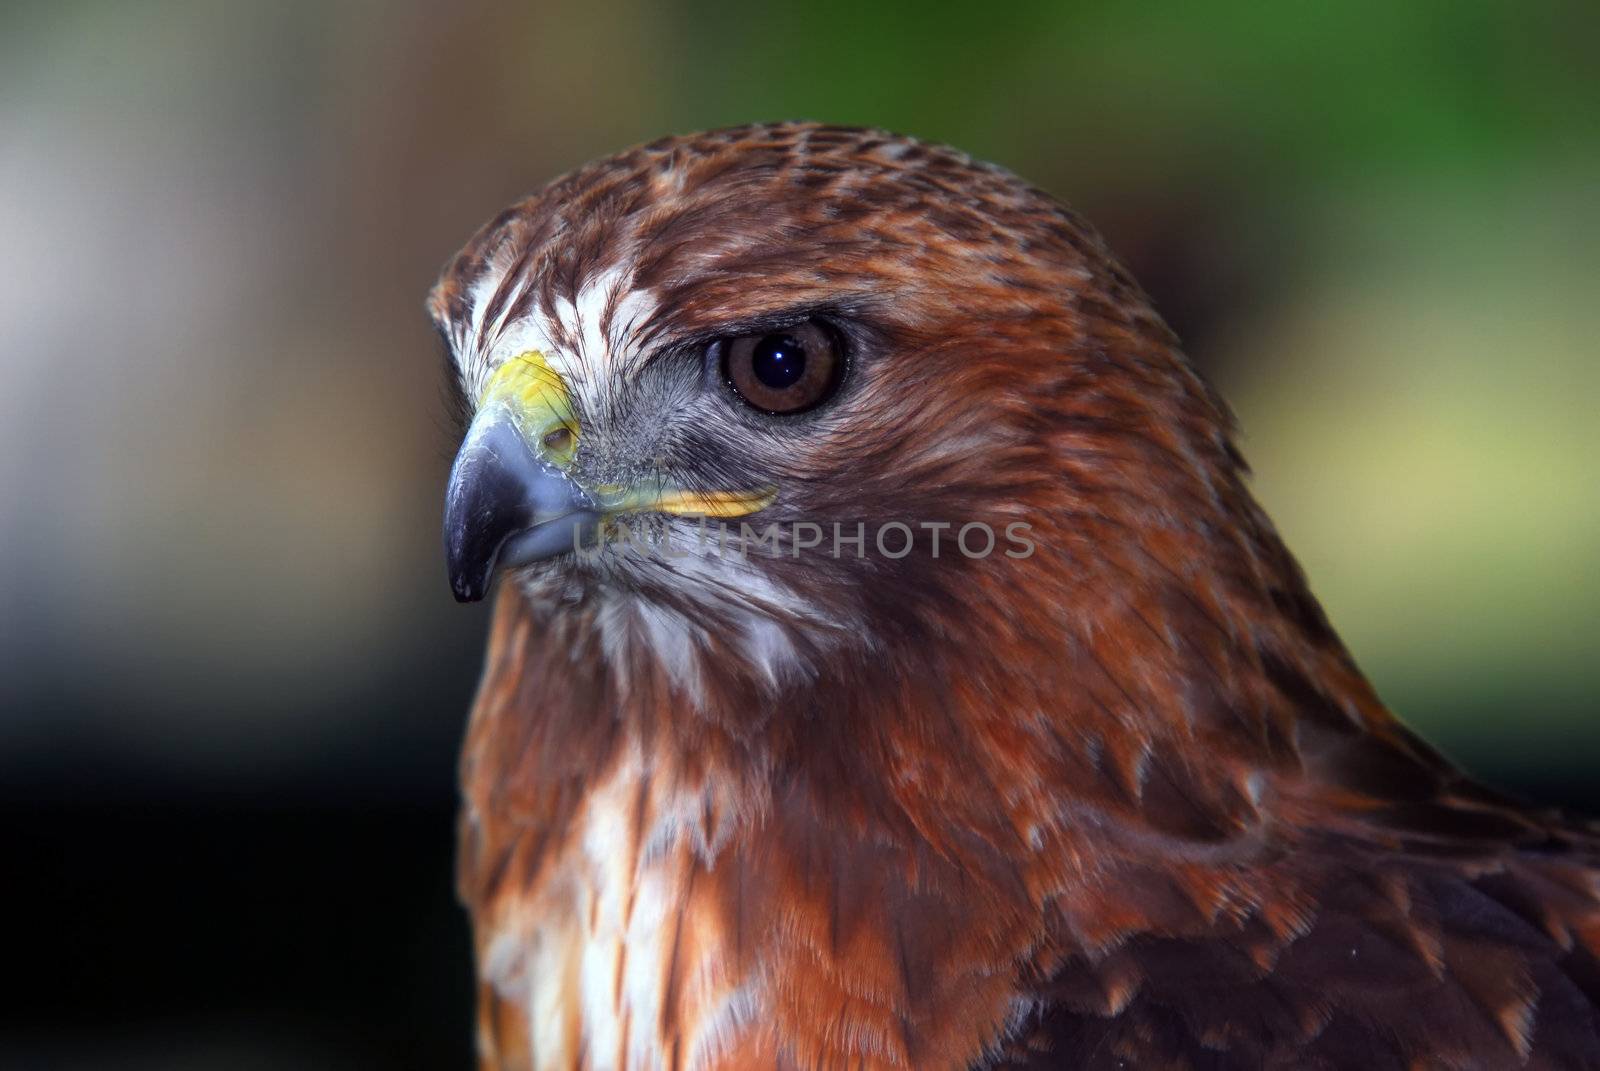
778, 361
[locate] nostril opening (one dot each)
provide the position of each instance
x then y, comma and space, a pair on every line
558, 440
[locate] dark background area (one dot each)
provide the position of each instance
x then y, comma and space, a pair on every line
232, 680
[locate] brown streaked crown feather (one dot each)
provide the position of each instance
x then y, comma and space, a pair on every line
1124, 803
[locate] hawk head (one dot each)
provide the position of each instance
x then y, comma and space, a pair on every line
754, 395
1102, 785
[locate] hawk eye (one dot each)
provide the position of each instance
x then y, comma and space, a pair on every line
784, 371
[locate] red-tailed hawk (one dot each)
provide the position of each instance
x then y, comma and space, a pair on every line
892, 670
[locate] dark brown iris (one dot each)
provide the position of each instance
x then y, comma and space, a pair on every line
784, 371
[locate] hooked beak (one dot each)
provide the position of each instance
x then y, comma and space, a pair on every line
512, 499
507, 506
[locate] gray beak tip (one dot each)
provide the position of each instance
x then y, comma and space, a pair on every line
506, 506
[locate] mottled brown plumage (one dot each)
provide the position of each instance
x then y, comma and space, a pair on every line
1124, 803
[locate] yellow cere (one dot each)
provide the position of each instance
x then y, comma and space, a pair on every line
539, 402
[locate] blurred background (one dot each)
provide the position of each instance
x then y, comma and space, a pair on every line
232, 679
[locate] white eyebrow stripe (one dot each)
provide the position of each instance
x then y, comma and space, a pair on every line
635, 309
588, 315
595, 349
